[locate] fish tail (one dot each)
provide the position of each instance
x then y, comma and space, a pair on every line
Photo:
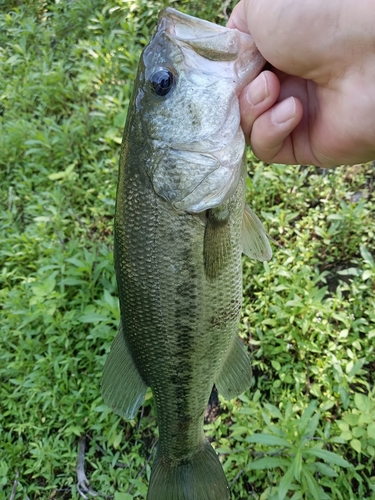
197, 477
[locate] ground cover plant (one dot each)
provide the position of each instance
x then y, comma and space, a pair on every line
306, 428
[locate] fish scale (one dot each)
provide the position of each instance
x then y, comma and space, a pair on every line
175, 303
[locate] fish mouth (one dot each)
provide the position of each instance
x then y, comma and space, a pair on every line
189, 29
214, 43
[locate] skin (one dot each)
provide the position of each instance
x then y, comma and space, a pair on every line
317, 103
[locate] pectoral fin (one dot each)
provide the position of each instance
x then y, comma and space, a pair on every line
255, 242
216, 250
235, 373
122, 387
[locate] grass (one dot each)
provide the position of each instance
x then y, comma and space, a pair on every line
306, 429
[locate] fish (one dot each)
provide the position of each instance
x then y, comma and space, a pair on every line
181, 225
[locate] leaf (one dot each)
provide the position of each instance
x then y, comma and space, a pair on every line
343, 426
365, 418
268, 463
371, 431
367, 274
44, 288
350, 271
344, 397
111, 301
356, 367
102, 409
274, 411
239, 429
3, 468
312, 425
112, 134
327, 456
335, 217
285, 483
356, 445
266, 419
117, 440
337, 440
347, 435
76, 262
325, 470
359, 432
92, 318
297, 465
297, 302
366, 255
42, 218
314, 488
363, 402
351, 418
306, 416
123, 496
318, 294
276, 365
297, 495
268, 440
119, 119
72, 282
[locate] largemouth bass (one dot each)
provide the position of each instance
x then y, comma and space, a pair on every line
181, 224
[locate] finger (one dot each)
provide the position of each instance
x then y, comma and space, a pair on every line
256, 98
238, 18
271, 135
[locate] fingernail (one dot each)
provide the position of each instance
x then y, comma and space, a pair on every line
257, 90
284, 111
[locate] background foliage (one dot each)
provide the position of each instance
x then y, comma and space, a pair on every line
306, 429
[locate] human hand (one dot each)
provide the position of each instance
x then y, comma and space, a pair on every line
317, 104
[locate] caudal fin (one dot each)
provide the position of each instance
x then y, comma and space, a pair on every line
199, 477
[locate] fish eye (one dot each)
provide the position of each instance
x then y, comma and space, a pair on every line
162, 81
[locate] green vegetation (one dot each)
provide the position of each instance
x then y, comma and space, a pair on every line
306, 429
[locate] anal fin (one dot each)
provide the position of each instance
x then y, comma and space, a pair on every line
235, 373
122, 387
